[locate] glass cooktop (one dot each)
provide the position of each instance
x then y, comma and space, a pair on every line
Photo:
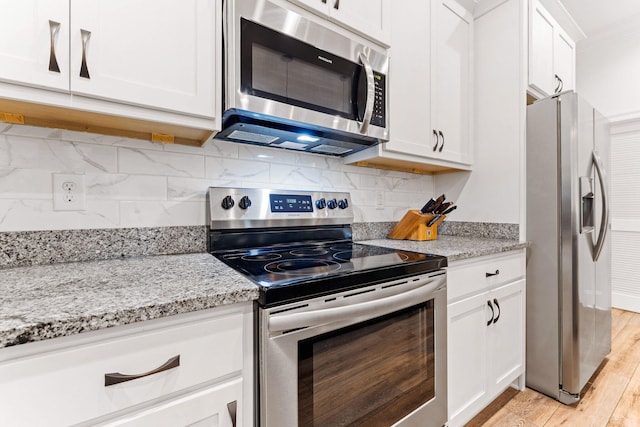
291, 272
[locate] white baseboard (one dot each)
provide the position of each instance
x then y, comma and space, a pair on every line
625, 302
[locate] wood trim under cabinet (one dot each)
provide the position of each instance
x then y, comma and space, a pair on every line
86, 121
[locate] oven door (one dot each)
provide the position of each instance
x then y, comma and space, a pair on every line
374, 356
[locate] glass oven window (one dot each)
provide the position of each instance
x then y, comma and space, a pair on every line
370, 374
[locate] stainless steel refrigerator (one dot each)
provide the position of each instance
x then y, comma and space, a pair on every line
569, 260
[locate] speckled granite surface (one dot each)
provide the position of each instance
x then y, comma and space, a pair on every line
23, 248
118, 286
487, 230
453, 247
42, 302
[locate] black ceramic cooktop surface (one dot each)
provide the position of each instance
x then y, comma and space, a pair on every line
286, 273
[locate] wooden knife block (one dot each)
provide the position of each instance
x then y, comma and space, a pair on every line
413, 226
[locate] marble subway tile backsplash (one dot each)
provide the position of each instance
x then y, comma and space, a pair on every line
132, 183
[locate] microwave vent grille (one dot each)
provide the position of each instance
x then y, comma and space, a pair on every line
323, 148
252, 137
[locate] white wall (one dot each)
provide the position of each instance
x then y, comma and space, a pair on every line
607, 69
493, 191
133, 183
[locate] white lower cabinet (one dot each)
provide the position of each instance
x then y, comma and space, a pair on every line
191, 369
486, 331
211, 407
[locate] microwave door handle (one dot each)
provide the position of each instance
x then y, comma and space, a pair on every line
371, 91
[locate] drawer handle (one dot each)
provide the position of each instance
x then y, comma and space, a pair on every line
232, 407
492, 274
116, 377
495, 302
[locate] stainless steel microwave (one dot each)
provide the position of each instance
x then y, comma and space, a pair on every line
291, 81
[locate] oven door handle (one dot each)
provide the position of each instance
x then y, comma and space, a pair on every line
424, 290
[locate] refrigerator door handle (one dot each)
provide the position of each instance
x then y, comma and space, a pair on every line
604, 221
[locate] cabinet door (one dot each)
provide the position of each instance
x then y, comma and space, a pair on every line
409, 80
506, 345
451, 79
32, 32
564, 59
467, 356
371, 18
541, 37
217, 406
154, 53
319, 6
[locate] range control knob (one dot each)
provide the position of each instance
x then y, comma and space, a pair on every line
343, 204
227, 202
321, 203
245, 202
332, 204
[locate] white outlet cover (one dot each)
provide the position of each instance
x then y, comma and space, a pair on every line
68, 192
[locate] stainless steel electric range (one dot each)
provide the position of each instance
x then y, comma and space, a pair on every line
347, 333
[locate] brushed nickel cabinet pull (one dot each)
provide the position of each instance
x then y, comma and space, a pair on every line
117, 378
232, 407
54, 27
84, 70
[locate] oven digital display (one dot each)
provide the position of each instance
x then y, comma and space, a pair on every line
290, 203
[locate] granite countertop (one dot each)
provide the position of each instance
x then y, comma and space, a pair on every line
48, 301
455, 248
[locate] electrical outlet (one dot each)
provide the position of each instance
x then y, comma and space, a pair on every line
68, 192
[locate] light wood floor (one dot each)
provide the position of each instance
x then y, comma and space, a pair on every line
611, 398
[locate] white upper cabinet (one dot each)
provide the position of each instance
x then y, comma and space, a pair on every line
34, 43
551, 53
157, 63
451, 80
410, 81
156, 53
370, 18
430, 93
564, 57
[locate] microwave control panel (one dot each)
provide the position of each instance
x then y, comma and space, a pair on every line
379, 102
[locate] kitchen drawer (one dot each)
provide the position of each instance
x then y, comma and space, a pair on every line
68, 386
470, 276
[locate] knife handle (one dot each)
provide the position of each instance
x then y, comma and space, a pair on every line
443, 207
452, 208
427, 206
433, 220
